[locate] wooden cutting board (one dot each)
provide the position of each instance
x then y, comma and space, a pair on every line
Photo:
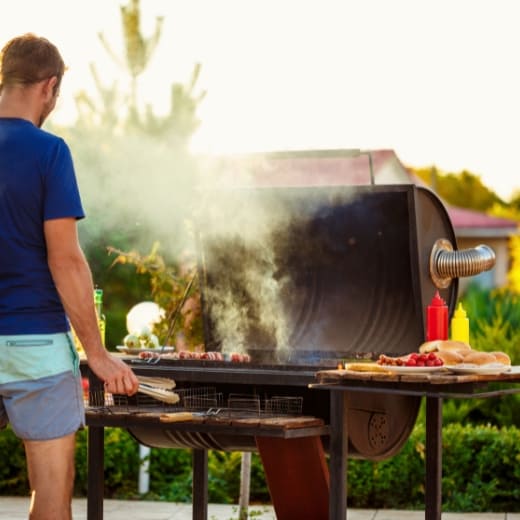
336, 376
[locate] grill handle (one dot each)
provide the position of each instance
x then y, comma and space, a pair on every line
446, 264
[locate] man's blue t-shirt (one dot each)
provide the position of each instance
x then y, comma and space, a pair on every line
37, 183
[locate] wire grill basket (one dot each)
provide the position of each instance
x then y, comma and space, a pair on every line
193, 399
200, 400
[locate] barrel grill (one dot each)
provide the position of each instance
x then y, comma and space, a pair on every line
301, 279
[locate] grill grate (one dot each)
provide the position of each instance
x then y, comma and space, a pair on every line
199, 400
193, 399
283, 405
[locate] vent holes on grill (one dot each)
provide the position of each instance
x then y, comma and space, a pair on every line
378, 431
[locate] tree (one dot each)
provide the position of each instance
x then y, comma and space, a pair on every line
463, 189
135, 172
115, 111
515, 201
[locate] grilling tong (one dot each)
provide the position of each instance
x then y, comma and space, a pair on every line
159, 388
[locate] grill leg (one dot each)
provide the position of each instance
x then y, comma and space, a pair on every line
297, 476
95, 478
338, 452
200, 484
433, 458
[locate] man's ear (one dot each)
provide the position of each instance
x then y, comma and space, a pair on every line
49, 87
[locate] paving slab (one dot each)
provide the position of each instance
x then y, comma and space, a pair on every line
16, 508
474, 516
397, 514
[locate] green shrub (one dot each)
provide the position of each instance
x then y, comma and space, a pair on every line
480, 472
481, 469
170, 475
494, 318
494, 325
13, 472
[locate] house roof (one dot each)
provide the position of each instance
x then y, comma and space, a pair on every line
353, 167
470, 223
315, 167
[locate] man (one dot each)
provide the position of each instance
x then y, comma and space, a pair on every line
44, 278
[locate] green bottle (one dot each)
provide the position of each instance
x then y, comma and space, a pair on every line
102, 322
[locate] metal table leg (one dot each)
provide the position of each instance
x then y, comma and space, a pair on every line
95, 478
200, 484
338, 452
433, 499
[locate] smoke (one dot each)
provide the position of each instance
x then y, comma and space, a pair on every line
135, 189
252, 241
245, 295
243, 232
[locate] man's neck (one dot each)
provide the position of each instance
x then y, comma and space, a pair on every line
19, 104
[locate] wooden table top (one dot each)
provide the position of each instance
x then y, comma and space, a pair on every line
442, 377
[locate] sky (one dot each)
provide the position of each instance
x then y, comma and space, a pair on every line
438, 81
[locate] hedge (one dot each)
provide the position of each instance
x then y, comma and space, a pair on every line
481, 471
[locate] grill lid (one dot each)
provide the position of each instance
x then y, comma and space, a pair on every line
314, 275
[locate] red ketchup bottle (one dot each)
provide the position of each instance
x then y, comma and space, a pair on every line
437, 319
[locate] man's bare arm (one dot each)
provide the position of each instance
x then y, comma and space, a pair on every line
73, 279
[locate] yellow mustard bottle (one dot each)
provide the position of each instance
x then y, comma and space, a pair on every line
77, 342
460, 325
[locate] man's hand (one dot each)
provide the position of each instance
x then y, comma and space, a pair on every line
118, 377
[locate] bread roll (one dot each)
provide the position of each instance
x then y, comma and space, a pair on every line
365, 367
429, 346
439, 345
479, 358
449, 357
502, 357
454, 346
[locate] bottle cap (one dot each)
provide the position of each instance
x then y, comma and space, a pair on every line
460, 312
437, 301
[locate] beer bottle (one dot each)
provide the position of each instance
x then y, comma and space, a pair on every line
98, 301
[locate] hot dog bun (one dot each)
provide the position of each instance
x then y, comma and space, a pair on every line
440, 345
479, 358
502, 357
455, 352
450, 357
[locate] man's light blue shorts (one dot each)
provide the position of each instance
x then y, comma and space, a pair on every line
40, 386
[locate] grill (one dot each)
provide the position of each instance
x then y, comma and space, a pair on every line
301, 279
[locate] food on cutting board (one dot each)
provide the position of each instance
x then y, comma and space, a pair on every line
486, 358
438, 353
415, 359
450, 357
446, 345
458, 352
502, 357
364, 367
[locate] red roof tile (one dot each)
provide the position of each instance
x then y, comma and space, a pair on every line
467, 218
